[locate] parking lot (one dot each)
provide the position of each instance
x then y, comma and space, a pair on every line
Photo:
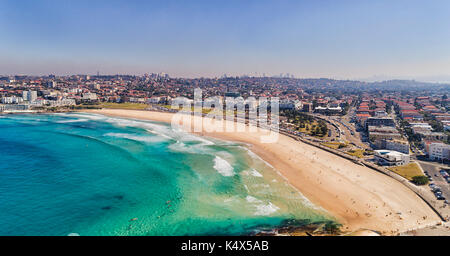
437, 178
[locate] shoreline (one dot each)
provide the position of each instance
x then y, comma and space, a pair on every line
358, 197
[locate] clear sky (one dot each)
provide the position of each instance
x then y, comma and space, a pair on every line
336, 39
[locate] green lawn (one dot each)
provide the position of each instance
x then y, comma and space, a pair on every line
357, 152
334, 145
408, 171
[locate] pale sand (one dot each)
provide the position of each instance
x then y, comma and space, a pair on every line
359, 197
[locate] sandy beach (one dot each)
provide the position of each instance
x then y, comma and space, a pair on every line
359, 198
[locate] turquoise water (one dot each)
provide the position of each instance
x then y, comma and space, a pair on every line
95, 175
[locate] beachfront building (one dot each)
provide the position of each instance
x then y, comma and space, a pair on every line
90, 96
391, 158
29, 96
14, 107
11, 100
60, 103
154, 100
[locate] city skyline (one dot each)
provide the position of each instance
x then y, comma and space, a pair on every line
346, 40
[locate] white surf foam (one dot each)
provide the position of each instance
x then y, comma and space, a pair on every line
266, 209
262, 209
146, 139
223, 167
255, 173
72, 121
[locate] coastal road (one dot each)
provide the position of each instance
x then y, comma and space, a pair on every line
344, 125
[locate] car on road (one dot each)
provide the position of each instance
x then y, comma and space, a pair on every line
440, 198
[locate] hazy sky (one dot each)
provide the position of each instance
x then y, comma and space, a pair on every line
337, 39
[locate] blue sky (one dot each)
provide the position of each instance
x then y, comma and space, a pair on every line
337, 39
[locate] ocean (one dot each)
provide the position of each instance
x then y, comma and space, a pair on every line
87, 174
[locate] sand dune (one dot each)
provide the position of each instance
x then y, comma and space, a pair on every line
357, 196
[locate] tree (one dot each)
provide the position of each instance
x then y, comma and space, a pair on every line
324, 129
420, 180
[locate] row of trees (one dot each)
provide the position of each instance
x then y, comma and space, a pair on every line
305, 121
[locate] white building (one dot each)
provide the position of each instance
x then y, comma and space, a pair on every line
90, 96
61, 103
154, 100
30, 96
439, 151
328, 110
391, 158
12, 100
398, 145
380, 113
421, 127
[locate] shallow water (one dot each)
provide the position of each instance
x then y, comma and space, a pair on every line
95, 175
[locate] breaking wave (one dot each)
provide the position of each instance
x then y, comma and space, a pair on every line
223, 167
